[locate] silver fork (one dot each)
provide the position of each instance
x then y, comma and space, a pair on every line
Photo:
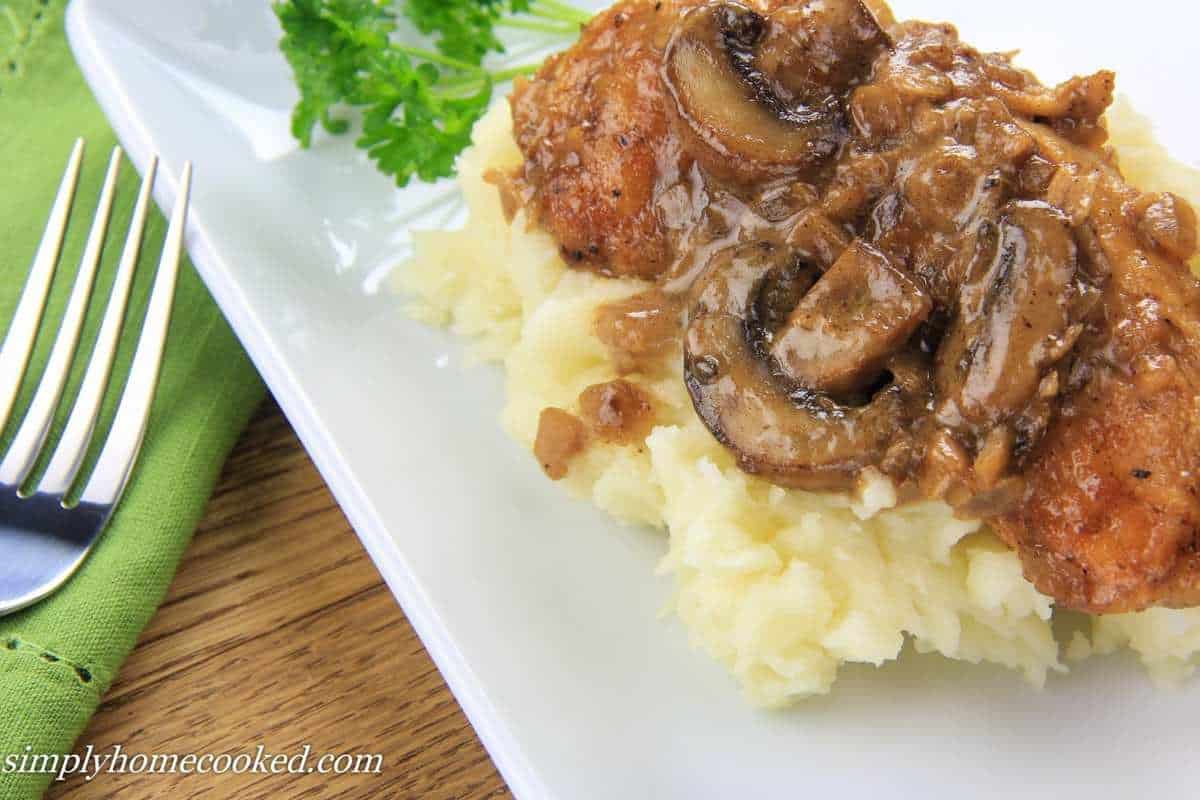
43, 540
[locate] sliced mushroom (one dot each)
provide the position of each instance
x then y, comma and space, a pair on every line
777, 296
1012, 315
841, 334
816, 48
742, 125
792, 435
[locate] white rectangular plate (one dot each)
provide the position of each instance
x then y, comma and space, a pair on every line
540, 612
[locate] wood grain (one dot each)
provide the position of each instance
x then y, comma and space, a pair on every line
279, 631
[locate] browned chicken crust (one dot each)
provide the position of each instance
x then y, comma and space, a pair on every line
596, 134
1111, 518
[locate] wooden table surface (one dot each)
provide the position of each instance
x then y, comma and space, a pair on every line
279, 631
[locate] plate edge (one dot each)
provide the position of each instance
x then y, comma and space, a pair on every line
502, 746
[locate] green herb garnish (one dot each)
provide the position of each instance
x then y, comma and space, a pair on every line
418, 105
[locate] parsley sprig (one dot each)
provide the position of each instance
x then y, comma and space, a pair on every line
418, 105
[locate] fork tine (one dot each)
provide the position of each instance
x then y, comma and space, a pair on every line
23, 452
133, 414
73, 445
18, 344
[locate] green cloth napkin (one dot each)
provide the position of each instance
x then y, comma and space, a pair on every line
58, 658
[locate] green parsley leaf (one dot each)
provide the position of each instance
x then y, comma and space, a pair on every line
418, 106
328, 44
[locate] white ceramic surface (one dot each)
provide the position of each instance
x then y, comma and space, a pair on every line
540, 612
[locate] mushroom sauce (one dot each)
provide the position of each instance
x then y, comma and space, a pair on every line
884, 252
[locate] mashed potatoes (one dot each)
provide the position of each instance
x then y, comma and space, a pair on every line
782, 586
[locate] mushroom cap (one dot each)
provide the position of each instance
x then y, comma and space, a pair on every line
746, 124
790, 434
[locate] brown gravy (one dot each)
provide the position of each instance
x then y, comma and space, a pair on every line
882, 248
